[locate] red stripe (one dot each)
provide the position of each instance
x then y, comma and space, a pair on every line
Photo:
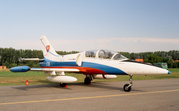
85, 70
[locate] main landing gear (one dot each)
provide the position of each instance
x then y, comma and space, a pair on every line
128, 87
88, 80
63, 85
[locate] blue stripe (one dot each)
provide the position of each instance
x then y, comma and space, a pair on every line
49, 63
105, 68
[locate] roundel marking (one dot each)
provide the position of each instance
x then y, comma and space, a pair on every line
48, 48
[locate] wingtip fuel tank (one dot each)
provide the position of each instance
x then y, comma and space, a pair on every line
20, 69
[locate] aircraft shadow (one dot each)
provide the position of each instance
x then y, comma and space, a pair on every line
101, 85
35, 86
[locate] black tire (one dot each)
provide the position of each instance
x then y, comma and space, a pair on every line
87, 81
63, 84
127, 88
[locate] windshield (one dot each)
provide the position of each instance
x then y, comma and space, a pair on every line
104, 54
118, 57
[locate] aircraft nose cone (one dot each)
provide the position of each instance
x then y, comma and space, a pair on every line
169, 72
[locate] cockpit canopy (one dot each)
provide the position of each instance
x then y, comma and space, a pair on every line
104, 54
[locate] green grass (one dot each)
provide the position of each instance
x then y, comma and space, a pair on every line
9, 78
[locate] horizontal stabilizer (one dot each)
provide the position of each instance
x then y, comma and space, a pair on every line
30, 59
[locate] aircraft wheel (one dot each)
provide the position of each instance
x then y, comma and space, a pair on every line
127, 88
63, 84
87, 81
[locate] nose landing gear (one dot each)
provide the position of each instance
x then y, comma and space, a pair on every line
128, 87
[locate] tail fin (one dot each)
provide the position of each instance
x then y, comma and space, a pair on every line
48, 50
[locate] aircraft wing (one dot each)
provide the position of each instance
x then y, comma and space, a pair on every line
55, 69
27, 68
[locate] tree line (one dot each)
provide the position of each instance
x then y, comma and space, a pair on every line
10, 57
168, 57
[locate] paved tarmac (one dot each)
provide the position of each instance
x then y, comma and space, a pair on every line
146, 95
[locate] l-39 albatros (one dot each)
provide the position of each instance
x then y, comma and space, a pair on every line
94, 64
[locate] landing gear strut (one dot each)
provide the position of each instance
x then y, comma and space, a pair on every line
128, 87
88, 80
63, 84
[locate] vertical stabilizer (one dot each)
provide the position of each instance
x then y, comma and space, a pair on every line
48, 50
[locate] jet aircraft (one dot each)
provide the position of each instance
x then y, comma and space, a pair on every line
94, 64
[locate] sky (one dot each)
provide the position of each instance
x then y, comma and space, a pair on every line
120, 25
